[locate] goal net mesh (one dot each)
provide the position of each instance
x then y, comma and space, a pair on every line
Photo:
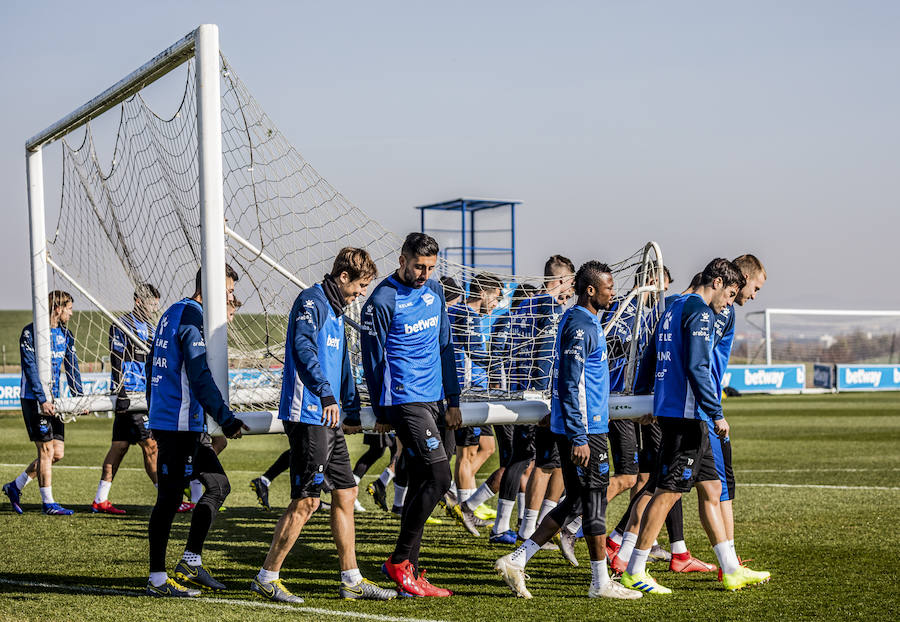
839, 338
136, 220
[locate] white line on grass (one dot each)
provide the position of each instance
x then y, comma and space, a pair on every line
222, 601
821, 486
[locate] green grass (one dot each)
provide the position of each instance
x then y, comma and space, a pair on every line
833, 552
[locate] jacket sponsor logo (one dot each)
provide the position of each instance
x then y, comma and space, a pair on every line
663, 355
863, 376
161, 362
333, 342
404, 305
579, 334
199, 344
309, 304
164, 323
423, 324
428, 299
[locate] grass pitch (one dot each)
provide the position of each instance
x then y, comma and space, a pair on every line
817, 504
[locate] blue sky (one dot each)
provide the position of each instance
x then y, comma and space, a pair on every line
714, 128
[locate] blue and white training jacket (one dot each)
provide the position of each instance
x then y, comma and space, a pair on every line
684, 386
316, 362
580, 401
62, 356
127, 363
407, 352
722, 342
532, 327
470, 345
180, 386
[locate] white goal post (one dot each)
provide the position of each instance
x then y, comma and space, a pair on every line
240, 164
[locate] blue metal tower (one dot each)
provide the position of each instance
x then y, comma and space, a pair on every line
500, 259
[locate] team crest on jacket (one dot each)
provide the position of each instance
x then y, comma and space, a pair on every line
428, 298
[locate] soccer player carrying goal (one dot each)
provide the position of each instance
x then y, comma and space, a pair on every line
180, 389
684, 401
317, 376
45, 429
128, 371
579, 421
409, 367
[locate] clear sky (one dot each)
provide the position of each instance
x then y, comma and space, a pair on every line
715, 128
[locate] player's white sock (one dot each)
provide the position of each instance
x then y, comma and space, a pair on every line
504, 513
464, 494
529, 524
679, 547
728, 561
733, 550
356, 479
23, 480
196, 490
524, 553
481, 495
102, 491
265, 480
546, 507
628, 542
192, 558
267, 576
386, 476
399, 495
615, 536
351, 577
574, 525
47, 494
158, 578
599, 573
520, 505
638, 562
453, 490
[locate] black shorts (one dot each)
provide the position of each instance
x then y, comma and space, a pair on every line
131, 427
624, 446
650, 441
470, 436
595, 476
546, 454
504, 435
181, 457
380, 441
41, 428
318, 453
721, 451
416, 425
685, 456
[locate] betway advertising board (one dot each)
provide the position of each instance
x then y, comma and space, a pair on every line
868, 377
765, 378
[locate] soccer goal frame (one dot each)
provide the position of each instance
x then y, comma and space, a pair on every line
203, 45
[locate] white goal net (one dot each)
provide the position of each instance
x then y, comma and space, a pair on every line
135, 221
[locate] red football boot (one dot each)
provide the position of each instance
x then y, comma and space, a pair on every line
618, 565
402, 574
431, 590
685, 562
106, 507
186, 506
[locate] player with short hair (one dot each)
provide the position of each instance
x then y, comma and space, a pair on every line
755, 277
684, 400
579, 421
317, 389
474, 444
127, 367
180, 391
46, 430
409, 367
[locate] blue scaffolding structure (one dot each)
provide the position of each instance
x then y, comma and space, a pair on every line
469, 252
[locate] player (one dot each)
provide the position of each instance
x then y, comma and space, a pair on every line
46, 430
180, 389
127, 365
410, 369
579, 417
684, 400
317, 376
475, 444
755, 277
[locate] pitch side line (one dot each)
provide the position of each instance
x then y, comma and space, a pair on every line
820, 486
222, 601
